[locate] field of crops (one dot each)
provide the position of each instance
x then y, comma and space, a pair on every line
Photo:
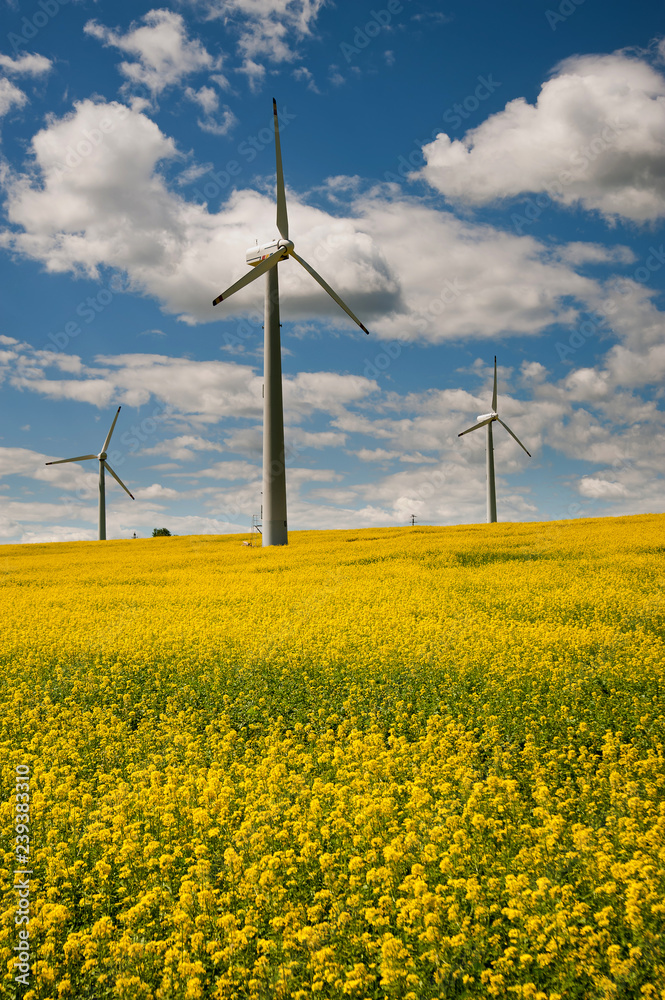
410, 763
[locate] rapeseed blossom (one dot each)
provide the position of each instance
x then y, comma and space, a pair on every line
416, 763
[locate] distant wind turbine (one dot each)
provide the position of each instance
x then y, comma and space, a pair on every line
103, 464
487, 419
264, 260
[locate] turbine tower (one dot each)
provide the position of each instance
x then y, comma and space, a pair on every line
487, 419
103, 464
264, 260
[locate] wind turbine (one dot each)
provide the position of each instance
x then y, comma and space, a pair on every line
486, 420
103, 464
264, 260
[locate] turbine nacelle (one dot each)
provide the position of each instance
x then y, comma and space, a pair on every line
488, 416
254, 255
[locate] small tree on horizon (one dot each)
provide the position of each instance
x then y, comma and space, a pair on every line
160, 532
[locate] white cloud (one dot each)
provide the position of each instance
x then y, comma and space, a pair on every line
10, 97
300, 439
183, 447
164, 54
533, 371
375, 454
95, 197
268, 29
595, 137
587, 384
30, 64
96, 391
303, 75
201, 393
309, 391
157, 492
595, 253
458, 279
205, 97
228, 471
217, 125
599, 489
208, 101
255, 73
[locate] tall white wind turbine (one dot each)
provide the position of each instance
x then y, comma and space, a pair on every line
486, 420
103, 464
264, 260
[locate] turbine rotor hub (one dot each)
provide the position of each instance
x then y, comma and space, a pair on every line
102, 456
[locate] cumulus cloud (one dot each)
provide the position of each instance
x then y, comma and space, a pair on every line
589, 486
29, 64
267, 29
182, 448
10, 97
205, 97
95, 197
163, 54
199, 392
208, 101
595, 137
459, 279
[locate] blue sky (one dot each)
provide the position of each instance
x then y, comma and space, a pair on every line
472, 178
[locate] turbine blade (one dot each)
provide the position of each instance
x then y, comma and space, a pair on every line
476, 426
79, 458
108, 436
494, 391
117, 479
261, 268
513, 435
282, 218
324, 284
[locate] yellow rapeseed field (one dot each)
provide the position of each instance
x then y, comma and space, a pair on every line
410, 763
